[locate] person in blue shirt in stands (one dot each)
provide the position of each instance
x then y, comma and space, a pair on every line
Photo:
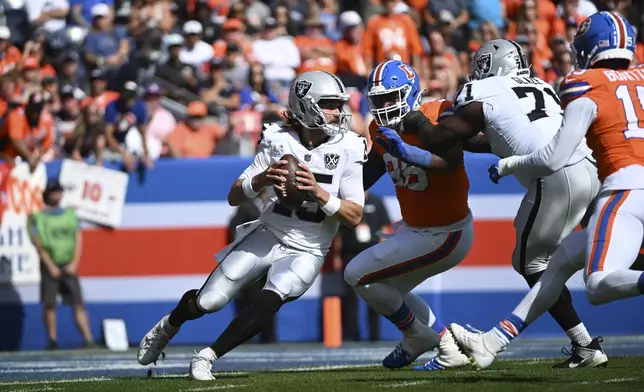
123, 115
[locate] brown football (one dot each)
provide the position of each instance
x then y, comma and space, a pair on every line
291, 197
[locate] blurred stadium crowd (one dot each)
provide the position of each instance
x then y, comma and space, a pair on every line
199, 77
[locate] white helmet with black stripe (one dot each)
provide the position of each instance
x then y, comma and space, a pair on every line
499, 57
307, 90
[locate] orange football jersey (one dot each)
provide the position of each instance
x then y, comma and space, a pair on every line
617, 134
428, 198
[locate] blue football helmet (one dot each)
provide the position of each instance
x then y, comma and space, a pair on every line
602, 36
393, 90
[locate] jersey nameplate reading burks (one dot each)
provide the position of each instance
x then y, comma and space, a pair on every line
308, 228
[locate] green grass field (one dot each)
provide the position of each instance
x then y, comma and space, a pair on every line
622, 374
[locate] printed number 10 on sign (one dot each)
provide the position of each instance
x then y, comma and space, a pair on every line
97, 193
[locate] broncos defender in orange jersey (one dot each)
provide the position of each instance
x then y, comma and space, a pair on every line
604, 102
435, 233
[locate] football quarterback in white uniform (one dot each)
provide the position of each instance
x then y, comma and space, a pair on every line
517, 114
284, 246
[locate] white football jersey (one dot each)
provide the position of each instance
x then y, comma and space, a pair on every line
510, 103
337, 166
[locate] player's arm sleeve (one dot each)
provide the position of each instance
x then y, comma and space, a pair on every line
351, 184
373, 169
577, 118
261, 162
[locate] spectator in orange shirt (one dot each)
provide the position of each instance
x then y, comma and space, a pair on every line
31, 77
234, 33
528, 14
28, 132
390, 36
98, 93
9, 54
193, 138
351, 67
9, 91
316, 50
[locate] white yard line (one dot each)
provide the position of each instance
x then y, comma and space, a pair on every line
214, 387
42, 382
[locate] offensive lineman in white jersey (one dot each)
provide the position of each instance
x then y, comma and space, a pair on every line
287, 247
519, 114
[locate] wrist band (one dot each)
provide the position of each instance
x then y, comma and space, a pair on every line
332, 206
247, 187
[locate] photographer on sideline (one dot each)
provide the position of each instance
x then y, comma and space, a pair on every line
56, 235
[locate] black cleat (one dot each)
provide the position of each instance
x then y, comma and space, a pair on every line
591, 355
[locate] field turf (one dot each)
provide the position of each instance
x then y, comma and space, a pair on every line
315, 368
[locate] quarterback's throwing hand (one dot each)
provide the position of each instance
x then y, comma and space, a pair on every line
306, 180
493, 172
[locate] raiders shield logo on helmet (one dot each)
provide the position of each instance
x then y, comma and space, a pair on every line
302, 88
484, 63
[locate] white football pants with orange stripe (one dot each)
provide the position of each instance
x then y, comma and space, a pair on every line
404, 260
606, 250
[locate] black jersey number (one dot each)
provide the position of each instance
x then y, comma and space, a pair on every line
539, 110
303, 213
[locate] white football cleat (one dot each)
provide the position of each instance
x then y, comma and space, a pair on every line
474, 346
449, 356
155, 340
201, 368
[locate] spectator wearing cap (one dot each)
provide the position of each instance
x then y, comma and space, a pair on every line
89, 136
9, 54
98, 93
280, 57
67, 117
175, 71
70, 72
218, 91
104, 49
28, 131
31, 77
316, 50
50, 86
349, 51
161, 123
235, 66
233, 32
81, 11
195, 52
194, 138
126, 114
50, 15
392, 36
56, 234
